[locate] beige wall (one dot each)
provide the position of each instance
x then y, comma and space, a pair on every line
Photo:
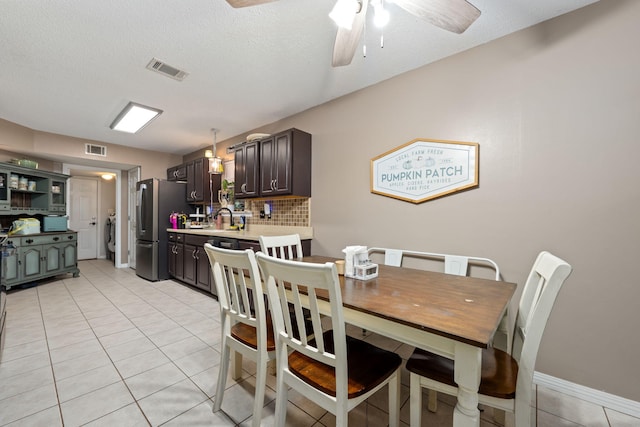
555, 109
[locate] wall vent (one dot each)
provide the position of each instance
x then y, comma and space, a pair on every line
167, 70
95, 150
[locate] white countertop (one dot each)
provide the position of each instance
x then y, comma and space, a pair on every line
253, 233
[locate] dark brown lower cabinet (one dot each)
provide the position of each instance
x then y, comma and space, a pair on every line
188, 262
176, 255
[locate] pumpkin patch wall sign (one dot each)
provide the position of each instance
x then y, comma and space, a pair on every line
425, 169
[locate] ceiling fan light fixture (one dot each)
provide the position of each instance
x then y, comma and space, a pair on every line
344, 12
381, 15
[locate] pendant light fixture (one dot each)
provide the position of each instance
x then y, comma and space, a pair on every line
215, 162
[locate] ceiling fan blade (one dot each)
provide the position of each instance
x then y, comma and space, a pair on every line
451, 15
245, 3
347, 40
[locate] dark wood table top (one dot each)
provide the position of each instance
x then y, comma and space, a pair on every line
466, 309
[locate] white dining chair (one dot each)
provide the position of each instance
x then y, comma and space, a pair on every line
286, 247
506, 379
335, 371
246, 328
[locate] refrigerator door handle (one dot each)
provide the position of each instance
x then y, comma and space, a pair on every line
140, 209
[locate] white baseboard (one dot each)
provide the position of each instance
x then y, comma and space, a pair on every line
608, 400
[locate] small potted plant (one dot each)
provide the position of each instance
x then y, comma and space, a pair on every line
226, 194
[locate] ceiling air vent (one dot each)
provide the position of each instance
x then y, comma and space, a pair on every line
95, 150
167, 70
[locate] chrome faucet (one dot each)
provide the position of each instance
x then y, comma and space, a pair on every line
230, 215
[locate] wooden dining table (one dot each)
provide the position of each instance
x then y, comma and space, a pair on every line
453, 316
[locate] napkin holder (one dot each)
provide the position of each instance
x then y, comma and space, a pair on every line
350, 253
365, 271
357, 263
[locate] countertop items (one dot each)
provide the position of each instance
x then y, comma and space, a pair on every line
254, 232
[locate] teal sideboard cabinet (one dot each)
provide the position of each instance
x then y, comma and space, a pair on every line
39, 256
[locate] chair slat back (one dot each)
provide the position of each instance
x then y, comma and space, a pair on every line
457, 265
300, 284
393, 257
538, 297
237, 280
284, 247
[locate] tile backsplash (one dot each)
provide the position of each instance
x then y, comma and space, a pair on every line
284, 212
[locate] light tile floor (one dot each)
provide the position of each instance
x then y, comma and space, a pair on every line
111, 349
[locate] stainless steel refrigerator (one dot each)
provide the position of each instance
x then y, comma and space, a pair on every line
155, 201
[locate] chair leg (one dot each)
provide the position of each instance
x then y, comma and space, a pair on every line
261, 383
281, 401
342, 418
236, 365
433, 401
394, 401
222, 377
415, 400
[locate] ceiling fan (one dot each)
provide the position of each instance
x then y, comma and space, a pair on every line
451, 15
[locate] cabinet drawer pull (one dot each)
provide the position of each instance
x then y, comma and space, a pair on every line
55, 239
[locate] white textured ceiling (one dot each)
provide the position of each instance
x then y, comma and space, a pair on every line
70, 66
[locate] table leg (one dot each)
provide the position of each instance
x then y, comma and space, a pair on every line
467, 377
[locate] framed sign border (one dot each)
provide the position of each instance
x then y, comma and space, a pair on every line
474, 184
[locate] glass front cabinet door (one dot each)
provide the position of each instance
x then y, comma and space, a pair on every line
58, 203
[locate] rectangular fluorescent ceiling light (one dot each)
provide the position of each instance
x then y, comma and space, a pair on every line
134, 117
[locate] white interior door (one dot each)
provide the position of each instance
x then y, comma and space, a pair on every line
134, 177
83, 214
